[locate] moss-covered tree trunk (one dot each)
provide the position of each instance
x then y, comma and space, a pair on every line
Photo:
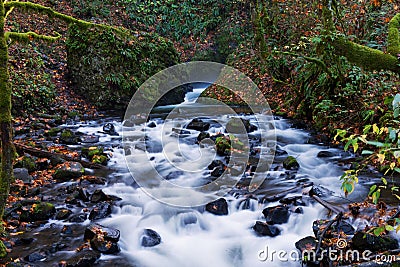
6, 174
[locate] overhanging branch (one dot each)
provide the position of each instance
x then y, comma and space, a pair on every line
30, 36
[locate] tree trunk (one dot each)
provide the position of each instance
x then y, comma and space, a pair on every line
7, 148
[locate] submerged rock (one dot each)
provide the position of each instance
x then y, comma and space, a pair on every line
265, 229
150, 238
218, 207
276, 215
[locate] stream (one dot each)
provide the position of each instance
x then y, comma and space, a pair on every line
191, 236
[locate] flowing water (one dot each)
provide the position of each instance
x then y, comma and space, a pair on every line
190, 235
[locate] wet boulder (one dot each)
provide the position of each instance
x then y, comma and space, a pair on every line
63, 214
27, 161
202, 136
290, 163
91, 179
264, 229
100, 211
35, 256
109, 128
334, 230
23, 175
150, 238
68, 137
198, 125
218, 207
307, 244
107, 233
40, 211
88, 139
68, 170
98, 196
223, 146
82, 258
363, 241
174, 175
78, 218
239, 125
276, 215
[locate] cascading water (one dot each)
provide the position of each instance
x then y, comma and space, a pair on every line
194, 237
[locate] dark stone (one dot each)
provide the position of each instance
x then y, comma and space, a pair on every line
98, 195
306, 243
90, 179
202, 136
295, 200
104, 246
298, 210
218, 207
68, 170
109, 128
23, 241
239, 125
28, 162
265, 229
107, 233
38, 212
374, 243
89, 139
100, 211
216, 163
35, 256
23, 175
63, 214
276, 215
150, 238
198, 125
174, 175
334, 230
217, 172
78, 218
325, 154
83, 258
152, 124
68, 137
180, 131
290, 163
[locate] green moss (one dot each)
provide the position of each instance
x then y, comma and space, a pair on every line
3, 250
100, 159
108, 67
223, 145
54, 131
365, 57
26, 162
393, 46
290, 163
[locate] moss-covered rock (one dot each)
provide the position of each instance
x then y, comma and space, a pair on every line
290, 163
27, 162
38, 212
68, 170
68, 137
223, 145
108, 66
